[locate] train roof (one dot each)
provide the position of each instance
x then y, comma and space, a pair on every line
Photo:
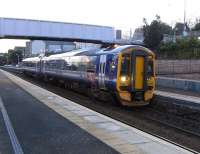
31, 59
79, 52
90, 52
97, 51
119, 49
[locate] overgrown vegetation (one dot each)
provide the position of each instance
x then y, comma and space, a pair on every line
188, 48
184, 48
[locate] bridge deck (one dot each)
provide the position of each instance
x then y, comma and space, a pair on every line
47, 30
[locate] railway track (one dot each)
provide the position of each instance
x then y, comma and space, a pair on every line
180, 131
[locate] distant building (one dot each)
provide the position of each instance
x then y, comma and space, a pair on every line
37, 47
172, 38
87, 45
194, 34
168, 38
27, 52
118, 34
138, 36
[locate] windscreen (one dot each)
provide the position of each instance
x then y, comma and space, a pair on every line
125, 67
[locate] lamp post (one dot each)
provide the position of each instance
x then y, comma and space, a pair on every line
17, 58
174, 38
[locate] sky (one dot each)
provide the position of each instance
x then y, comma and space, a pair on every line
121, 14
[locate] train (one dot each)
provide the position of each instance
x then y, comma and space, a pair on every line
126, 72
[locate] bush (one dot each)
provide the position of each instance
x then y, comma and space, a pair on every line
182, 49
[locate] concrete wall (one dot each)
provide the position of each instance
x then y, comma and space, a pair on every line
182, 84
177, 66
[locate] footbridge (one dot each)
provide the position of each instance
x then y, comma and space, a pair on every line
11, 28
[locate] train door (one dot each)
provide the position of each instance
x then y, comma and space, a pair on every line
139, 73
139, 61
102, 70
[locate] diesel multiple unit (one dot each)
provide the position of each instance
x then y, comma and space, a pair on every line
124, 72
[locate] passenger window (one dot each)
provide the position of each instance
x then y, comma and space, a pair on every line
90, 67
103, 71
82, 67
100, 67
67, 66
74, 67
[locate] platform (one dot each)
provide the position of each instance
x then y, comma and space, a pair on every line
179, 84
180, 93
192, 102
45, 121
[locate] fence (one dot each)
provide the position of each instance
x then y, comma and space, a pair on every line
164, 67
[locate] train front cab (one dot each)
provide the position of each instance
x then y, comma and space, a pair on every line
135, 76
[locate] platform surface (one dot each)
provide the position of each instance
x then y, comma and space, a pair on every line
47, 123
185, 98
39, 129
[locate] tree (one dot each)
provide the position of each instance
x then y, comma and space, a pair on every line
153, 33
196, 27
166, 29
14, 56
185, 48
3, 59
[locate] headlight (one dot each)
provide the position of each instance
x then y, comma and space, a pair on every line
113, 66
123, 78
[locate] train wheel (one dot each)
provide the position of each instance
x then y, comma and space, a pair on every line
60, 83
116, 99
53, 81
